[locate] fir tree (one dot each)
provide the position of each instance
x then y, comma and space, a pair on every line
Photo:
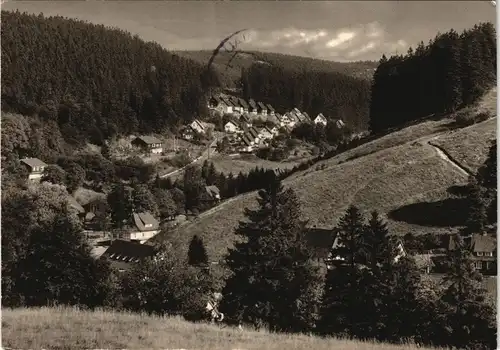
471, 320
120, 203
377, 242
274, 282
58, 268
197, 254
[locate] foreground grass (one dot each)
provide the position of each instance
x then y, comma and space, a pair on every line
67, 328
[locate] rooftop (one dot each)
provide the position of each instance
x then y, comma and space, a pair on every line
33, 162
145, 221
149, 139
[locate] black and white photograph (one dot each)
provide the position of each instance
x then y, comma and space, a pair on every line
243, 175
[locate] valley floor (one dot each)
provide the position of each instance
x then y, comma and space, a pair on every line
67, 328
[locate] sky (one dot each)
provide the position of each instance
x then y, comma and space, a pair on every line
332, 30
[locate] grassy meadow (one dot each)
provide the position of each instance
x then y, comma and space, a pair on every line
68, 328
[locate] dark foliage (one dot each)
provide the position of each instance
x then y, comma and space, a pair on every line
274, 283
451, 71
94, 81
336, 95
197, 254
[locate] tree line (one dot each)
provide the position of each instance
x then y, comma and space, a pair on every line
453, 70
93, 81
336, 95
274, 282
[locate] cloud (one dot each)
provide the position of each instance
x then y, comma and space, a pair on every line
367, 41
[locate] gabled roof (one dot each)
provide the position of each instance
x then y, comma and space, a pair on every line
197, 122
212, 190
243, 103
476, 242
128, 251
252, 103
270, 108
143, 219
252, 131
339, 123
265, 129
231, 122
33, 162
296, 110
236, 101
261, 106
245, 118
148, 139
321, 116
246, 140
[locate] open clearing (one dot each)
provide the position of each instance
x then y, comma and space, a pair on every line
55, 328
401, 175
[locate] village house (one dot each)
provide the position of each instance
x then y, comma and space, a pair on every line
339, 123
144, 227
244, 105
306, 117
35, 167
274, 130
198, 126
212, 195
92, 207
231, 127
148, 144
483, 248
253, 107
270, 109
246, 145
123, 254
293, 120
187, 133
214, 102
265, 133
261, 108
254, 134
245, 119
283, 119
320, 119
237, 108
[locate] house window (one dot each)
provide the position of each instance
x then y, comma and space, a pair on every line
488, 254
487, 265
479, 253
478, 265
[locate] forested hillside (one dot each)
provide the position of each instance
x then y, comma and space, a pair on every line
229, 66
452, 71
95, 81
336, 95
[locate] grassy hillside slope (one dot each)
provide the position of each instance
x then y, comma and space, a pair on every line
65, 328
400, 174
231, 73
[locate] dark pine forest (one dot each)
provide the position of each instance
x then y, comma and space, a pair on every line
95, 81
452, 71
336, 95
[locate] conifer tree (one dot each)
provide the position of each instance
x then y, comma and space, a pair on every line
377, 242
58, 267
120, 204
470, 319
197, 254
273, 282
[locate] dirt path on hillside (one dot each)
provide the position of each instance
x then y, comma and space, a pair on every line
443, 154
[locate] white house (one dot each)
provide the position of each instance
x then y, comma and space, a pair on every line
231, 127
261, 108
197, 126
35, 167
145, 227
339, 123
270, 109
265, 133
320, 119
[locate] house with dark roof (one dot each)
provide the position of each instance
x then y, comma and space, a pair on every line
144, 226
237, 108
35, 167
254, 133
265, 133
261, 108
148, 144
197, 126
244, 105
270, 109
123, 254
253, 107
483, 248
211, 195
246, 143
245, 118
